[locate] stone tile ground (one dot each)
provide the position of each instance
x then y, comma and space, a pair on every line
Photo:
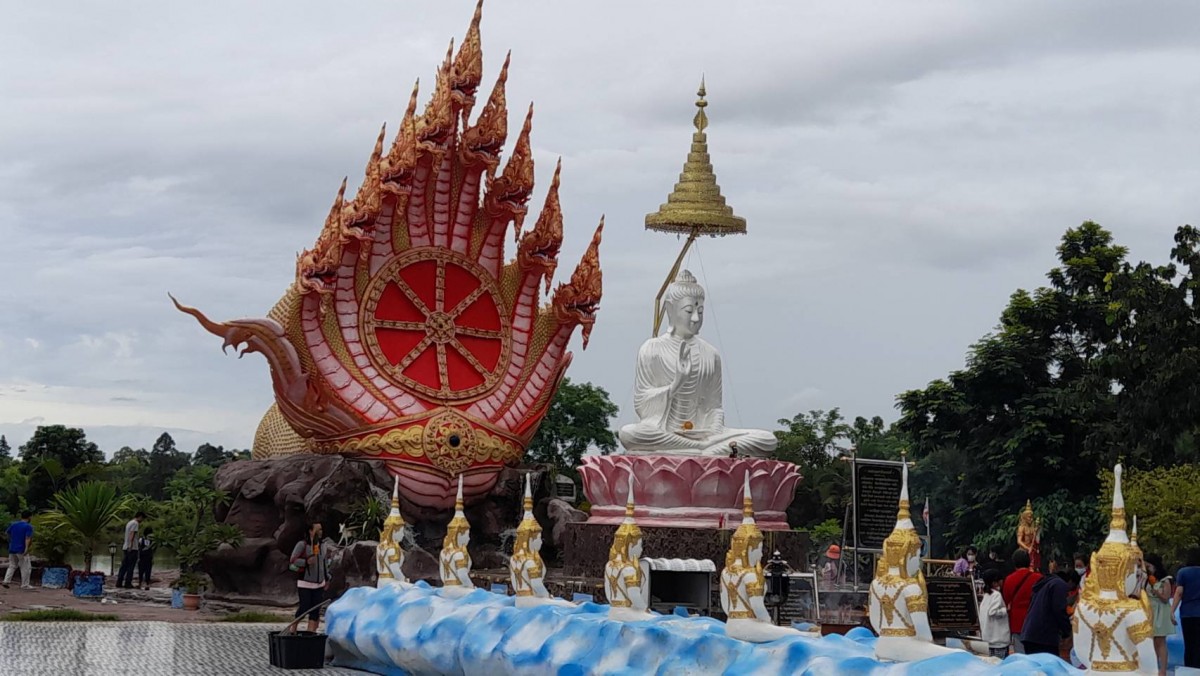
142, 648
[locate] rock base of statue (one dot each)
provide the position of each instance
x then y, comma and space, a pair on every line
688, 491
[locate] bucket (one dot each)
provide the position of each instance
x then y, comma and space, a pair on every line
301, 650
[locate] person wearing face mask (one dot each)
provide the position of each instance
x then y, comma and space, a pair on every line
965, 566
1081, 564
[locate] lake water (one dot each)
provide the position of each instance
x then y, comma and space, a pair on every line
103, 563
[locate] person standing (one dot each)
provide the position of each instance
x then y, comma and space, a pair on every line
1187, 602
993, 615
831, 571
1160, 592
130, 549
1048, 624
311, 566
20, 538
146, 547
1017, 590
965, 565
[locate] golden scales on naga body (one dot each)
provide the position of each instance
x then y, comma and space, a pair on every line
405, 336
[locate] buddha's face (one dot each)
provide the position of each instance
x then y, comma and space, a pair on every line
635, 548
535, 543
397, 535
463, 537
686, 315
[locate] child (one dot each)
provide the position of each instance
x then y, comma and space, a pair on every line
993, 615
145, 548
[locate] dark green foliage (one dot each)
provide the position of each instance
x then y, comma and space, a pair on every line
1102, 363
54, 458
578, 420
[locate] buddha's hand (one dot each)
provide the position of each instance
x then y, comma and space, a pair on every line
685, 365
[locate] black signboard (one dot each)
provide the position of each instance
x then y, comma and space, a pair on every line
952, 604
801, 604
877, 495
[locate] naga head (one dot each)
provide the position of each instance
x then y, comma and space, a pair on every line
482, 142
396, 170
467, 71
508, 193
539, 247
578, 300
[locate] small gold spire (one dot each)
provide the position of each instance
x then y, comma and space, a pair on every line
701, 120
629, 507
696, 206
747, 499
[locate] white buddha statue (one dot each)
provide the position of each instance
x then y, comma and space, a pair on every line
1113, 632
526, 570
899, 606
389, 554
626, 576
677, 388
743, 583
455, 562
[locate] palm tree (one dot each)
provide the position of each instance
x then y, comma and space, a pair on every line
88, 509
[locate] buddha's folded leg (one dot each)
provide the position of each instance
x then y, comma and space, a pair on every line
639, 438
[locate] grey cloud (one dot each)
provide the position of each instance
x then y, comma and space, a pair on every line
903, 167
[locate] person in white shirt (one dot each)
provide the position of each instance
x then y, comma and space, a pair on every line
993, 615
130, 549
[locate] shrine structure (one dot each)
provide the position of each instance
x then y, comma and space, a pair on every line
689, 466
405, 336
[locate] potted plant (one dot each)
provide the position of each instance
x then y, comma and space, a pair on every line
192, 585
53, 545
87, 510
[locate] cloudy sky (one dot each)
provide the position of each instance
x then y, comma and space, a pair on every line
903, 168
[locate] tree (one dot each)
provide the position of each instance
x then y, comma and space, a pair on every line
1104, 360
577, 421
55, 457
1166, 501
812, 439
163, 462
187, 525
5, 451
213, 456
87, 509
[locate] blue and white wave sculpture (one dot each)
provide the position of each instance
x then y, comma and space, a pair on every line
414, 631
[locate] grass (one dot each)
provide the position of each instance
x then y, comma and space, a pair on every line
255, 616
57, 615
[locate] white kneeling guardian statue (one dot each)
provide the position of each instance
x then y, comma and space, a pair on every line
899, 605
626, 576
743, 584
677, 388
454, 561
527, 571
1113, 632
389, 554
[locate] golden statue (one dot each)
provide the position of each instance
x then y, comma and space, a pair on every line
454, 559
898, 606
626, 576
743, 584
526, 569
1112, 630
1029, 535
389, 553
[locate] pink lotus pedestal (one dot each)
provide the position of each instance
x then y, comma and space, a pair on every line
688, 491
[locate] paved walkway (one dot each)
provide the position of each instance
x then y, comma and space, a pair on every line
142, 648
